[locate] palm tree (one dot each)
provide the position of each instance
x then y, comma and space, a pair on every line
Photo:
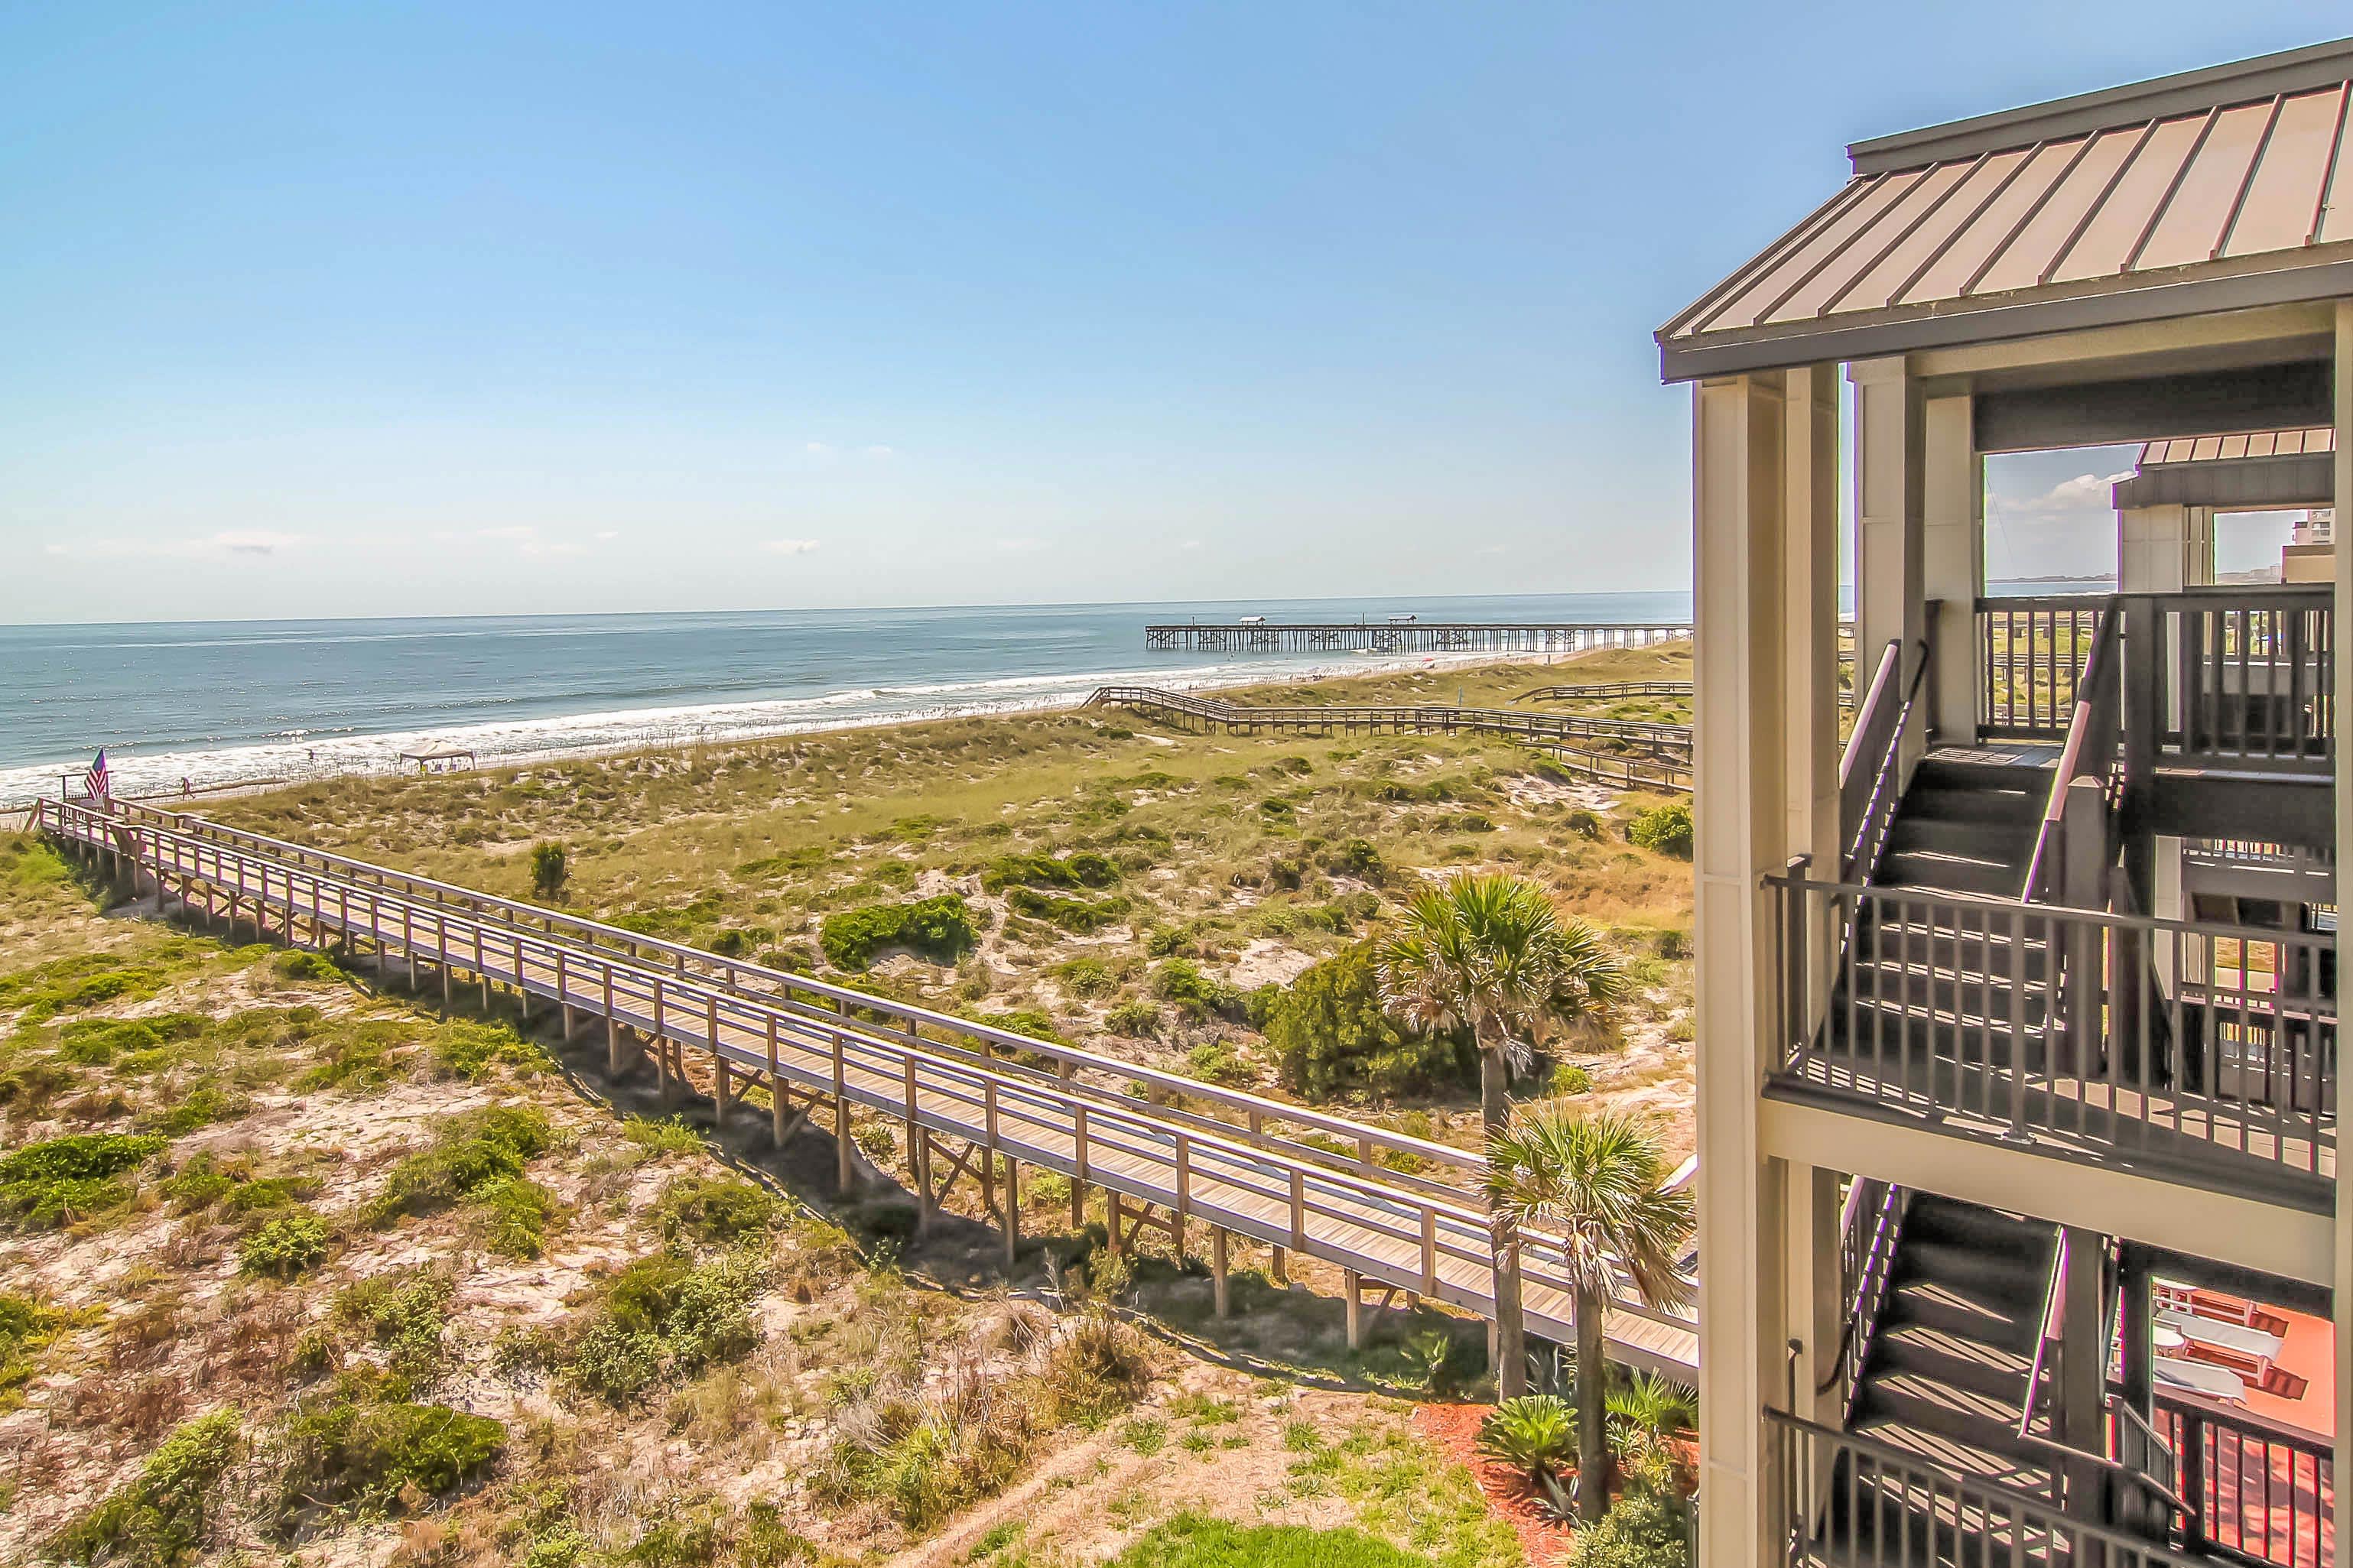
1596, 1182
1490, 955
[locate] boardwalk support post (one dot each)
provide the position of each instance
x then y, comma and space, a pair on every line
1221, 1298
1012, 1211
1353, 1283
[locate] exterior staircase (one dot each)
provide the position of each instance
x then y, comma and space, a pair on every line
1944, 1378
1966, 827
1919, 983
1945, 1373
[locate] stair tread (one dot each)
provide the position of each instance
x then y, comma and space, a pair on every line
1953, 1454
1934, 1348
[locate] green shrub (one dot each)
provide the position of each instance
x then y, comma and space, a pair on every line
45, 1186
1136, 1019
472, 1151
96, 1042
664, 1317
157, 1519
1080, 916
1180, 982
1027, 1021
284, 1247
514, 1212
199, 1107
405, 1311
939, 928
1333, 1039
1645, 1529
27, 1327
1584, 823
1534, 1434
1665, 829
668, 1136
1083, 870
350, 1456
1356, 857
78, 981
473, 1051
295, 963
1216, 1061
550, 868
716, 1209
1567, 1078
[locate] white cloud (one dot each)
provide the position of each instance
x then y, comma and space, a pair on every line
218, 546
789, 547
605, 533
1190, 545
1019, 546
876, 454
817, 449
2071, 497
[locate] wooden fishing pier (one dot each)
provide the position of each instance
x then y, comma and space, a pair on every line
1253, 636
1660, 759
978, 1105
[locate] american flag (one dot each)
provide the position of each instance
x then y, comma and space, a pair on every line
95, 783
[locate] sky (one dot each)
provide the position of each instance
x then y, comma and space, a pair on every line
450, 309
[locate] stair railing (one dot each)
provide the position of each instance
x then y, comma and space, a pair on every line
2125, 1493
1871, 781
1871, 1222
2095, 735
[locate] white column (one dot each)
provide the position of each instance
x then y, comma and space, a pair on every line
1765, 455
1952, 557
2156, 547
2343, 498
1889, 472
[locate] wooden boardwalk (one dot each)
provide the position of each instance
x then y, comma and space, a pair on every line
1406, 637
1661, 760
978, 1103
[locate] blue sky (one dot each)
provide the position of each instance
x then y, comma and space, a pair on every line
421, 309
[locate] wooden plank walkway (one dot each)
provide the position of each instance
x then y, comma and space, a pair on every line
948, 1081
1663, 763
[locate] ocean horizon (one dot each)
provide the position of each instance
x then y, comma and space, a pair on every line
229, 703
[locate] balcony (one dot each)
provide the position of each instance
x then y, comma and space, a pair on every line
1980, 963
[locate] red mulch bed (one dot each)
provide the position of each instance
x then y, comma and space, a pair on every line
1455, 1428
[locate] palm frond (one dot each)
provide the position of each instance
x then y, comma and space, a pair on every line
1593, 1180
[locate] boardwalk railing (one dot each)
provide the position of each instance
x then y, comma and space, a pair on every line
946, 1078
1607, 691
2030, 652
1569, 737
2206, 1051
1256, 635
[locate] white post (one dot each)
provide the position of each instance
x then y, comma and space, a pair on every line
2343, 490
1890, 521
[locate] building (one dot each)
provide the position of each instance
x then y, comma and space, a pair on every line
2020, 1208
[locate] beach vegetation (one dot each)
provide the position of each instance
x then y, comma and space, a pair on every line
159, 1519
1664, 830
1334, 1037
940, 928
349, 1454
284, 1245
551, 867
56, 1183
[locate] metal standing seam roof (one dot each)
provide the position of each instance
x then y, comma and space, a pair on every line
2312, 443
2106, 203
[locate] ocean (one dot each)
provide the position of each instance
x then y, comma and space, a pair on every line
223, 703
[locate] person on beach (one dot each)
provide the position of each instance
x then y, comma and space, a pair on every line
186, 789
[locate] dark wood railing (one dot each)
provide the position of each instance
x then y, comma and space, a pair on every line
2030, 652
2060, 871
2257, 1490
2242, 678
2181, 1040
1857, 1502
2253, 677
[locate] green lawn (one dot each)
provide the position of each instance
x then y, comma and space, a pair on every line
1190, 1542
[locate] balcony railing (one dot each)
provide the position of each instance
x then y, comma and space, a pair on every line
2258, 1491
1853, 1501
2030, 652
2208, 1050
2223, 676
